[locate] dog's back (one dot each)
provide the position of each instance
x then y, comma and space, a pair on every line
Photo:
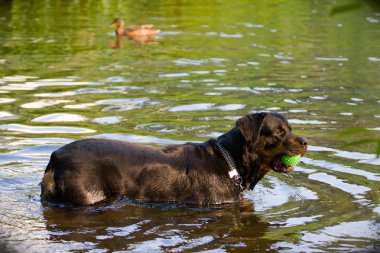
85, 171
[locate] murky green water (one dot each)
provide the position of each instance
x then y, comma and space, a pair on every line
315, 61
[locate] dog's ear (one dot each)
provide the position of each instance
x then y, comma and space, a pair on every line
250, 125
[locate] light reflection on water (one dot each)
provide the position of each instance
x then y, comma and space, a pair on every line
193, 84
44, 130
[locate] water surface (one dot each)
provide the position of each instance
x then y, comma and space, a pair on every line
315, 62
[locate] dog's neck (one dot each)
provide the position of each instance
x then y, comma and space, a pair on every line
232, 141
233, 173
235, 143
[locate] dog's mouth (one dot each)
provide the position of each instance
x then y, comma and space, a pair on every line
279, 167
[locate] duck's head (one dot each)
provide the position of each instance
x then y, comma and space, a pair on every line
117, 23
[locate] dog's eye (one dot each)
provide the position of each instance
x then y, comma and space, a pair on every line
279, 132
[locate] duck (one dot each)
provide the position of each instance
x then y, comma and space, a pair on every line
136, 32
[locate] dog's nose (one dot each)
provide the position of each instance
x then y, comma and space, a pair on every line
303, 141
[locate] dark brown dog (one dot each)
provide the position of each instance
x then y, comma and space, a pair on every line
214, 172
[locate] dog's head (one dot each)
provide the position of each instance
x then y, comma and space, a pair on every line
268, 137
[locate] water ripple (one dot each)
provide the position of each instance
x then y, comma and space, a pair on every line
206, 107
373, 59
192, 107
192, 243
157, 244
79, 92
331, 59
60, 117
79, 106
297, 221
125, 104
16, 78
39, 141
265, 198
139, 138
7, 100
355, 190
44, 130
306, 122
238, 89
115, 79
341, 168
44, 103
7, 115
186, 62
127, 230
45, 82
361, 157
109, 120
362, 232
35, 154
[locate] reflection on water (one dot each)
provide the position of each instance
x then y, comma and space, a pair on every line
44, 130
108, 120
44, 103
59, 117
60, 81
206, 107
170, 228
360, 233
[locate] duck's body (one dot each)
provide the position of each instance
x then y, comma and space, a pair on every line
142, 30
134, 32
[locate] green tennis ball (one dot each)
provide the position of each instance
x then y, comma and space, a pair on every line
291, 160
